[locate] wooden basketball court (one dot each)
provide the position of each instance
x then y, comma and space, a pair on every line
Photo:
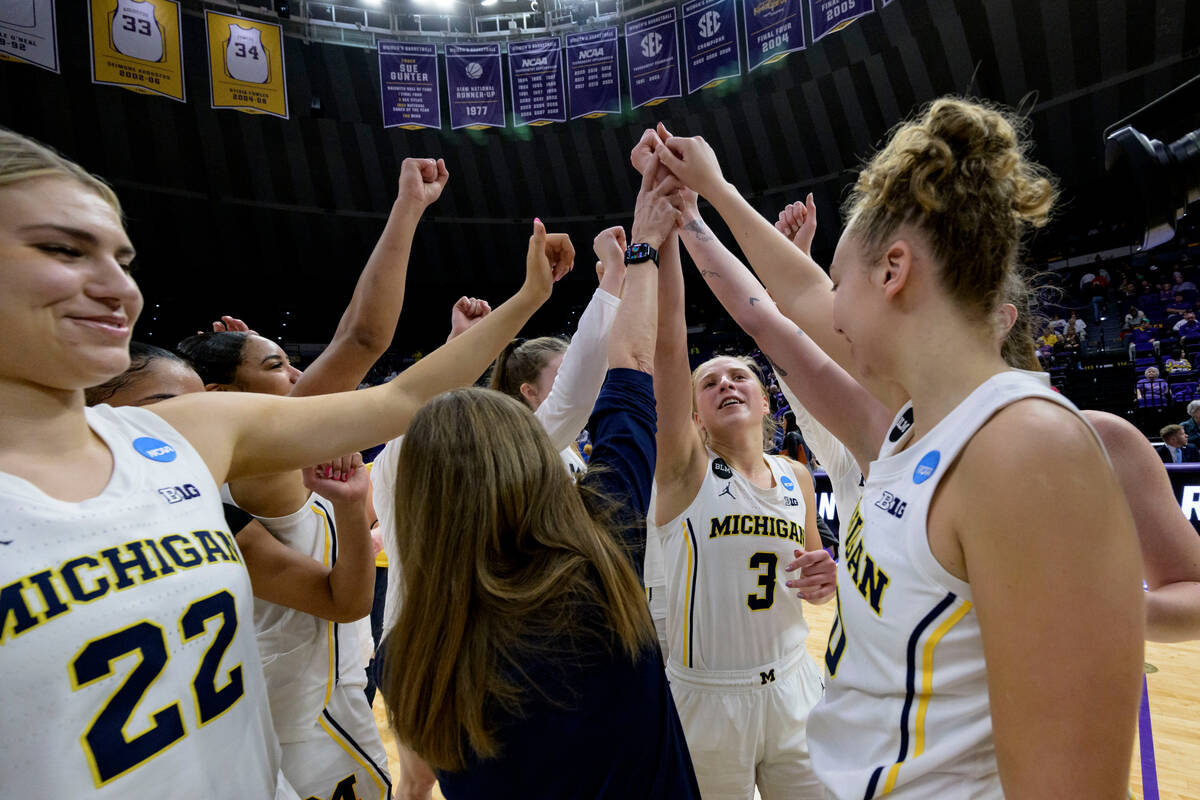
1173, 677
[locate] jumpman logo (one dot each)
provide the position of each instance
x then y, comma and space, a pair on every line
727, 492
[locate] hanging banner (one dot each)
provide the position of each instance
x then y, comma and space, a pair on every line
28, 32
535, 77
652, 58
138, 44
828, 16
710, 43
245, 65
593, 79
774, 28
409, 85
476, 86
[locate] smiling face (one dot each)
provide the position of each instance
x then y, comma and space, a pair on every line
67, 302
728, 397
265, 368
858, 304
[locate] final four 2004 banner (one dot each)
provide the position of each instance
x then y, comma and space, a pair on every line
245, 65
138, 44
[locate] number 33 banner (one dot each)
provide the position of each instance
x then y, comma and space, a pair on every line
245, 65
138, 44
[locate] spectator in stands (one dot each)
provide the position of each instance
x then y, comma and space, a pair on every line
1164, 292
1134, 318
1178, 305
1182, 285
1048, 342
1079, 326
1071, 341
1191, 425
1176, 449
1143, 334
1188, 326
1058, 324
1178, 364
1152, 391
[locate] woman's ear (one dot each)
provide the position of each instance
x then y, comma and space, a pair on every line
897, 267
530, 393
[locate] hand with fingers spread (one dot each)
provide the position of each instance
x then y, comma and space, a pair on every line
818, 575
798, 222
422, 180
342, 480
230, 324
466, 312
609, 247
549, 258
692, 161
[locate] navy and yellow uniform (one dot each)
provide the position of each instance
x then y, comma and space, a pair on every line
126, 635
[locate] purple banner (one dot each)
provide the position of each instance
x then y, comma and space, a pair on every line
828, 16
710, 42
652, 57
535, 76
475, 84
409, 85
593, 79
774, 28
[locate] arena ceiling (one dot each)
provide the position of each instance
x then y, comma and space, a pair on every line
272, 218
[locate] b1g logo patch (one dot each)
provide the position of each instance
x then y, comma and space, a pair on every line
177, 494
721, 469
926, 466
154, 449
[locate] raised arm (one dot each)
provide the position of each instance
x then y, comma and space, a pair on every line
241, 434
369, 321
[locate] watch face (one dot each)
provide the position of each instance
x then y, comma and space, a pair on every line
637, 251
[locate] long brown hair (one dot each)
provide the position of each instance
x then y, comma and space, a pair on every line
501, 561
522, 361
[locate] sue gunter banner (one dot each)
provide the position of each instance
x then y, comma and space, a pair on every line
409, 85
710, 42
593, 78
535, 76
828, 16
138, 44
774, 28
652, 57
28, 32
245, 64
476, 86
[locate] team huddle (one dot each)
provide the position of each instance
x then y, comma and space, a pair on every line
188, 546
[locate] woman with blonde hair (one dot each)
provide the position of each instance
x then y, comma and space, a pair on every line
128, 648
961, 559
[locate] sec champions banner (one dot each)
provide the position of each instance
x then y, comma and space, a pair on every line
593, 79
138, 44
535, 75
828, 16
774, 28
710, 42
409, 84
245, 64
652, 57
476, 86
28, 33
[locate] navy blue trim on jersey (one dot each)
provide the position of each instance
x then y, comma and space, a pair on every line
910, 683
342, 732
337, 667
692, 602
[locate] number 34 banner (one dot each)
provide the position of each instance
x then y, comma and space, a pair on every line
245, 64
137, 44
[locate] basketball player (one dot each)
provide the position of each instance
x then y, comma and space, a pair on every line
731, 520
929, 690
125, 635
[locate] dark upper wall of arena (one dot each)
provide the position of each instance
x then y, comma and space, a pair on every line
258, 216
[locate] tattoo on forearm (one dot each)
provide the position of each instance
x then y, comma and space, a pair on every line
754, 300
778, 369
710, 273
697, 227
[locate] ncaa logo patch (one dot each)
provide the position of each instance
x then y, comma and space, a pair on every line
721, 469
154, 449
787, 482
926, 466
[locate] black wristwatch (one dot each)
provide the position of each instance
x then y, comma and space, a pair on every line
637, 253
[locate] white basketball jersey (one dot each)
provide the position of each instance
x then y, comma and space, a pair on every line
126, 633
22, 13
135, 31
245, 57
728, 605
905, 711
304, 656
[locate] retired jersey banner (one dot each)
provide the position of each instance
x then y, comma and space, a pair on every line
593, 78
138, 44
828, 16
28, 32
245, 65
710, 42
774, 28
535, 76
409, 85
652, 57
476, 86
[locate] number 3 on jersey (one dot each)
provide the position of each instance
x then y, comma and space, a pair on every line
765, 563
110, 751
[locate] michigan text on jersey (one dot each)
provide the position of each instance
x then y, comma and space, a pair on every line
756, 525
869, 579
35, 599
